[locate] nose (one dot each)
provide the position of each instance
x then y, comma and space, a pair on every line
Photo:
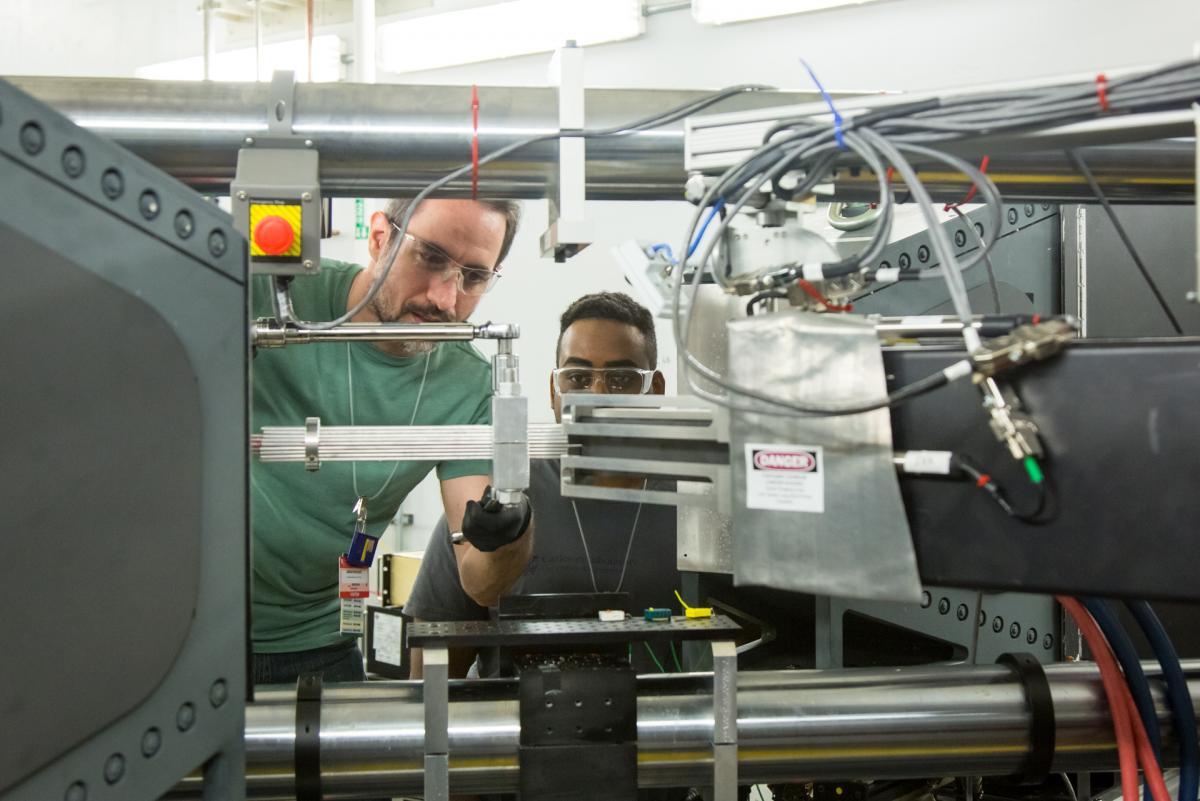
599, 385
443, 292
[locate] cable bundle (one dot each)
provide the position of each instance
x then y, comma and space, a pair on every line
884, 139
1135, 721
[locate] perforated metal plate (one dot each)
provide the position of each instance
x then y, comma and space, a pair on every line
566, 632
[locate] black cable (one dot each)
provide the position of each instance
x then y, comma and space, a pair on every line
1112, 215
985, 482
762, 297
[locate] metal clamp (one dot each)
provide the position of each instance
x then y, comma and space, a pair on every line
1042, 732
307, 751
725, 719
436, 686
312, 444
280, 103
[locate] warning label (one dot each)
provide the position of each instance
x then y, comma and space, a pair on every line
785, 478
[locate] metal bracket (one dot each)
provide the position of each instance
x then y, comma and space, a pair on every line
312, 444
1194, 295
437, 722
568, 233
279, 106
725, 717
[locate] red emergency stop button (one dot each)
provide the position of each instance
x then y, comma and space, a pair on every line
274, 235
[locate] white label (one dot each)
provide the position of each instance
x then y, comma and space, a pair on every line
353, 582
353, 613
388, 634
928, 462
922, 319
785, 478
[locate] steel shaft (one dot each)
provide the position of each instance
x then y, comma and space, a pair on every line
945, 720
379, 140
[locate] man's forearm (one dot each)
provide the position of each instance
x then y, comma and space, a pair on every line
487, 575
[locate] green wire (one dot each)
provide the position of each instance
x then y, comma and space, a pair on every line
650, 651
678, 667
1033, 469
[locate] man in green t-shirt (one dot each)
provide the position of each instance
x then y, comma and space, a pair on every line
301, 521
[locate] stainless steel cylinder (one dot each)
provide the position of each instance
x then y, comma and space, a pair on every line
266, 336
792, 726
380, 140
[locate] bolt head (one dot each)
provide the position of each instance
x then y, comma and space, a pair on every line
308, 143
249, 140
114, 768
1193, 296
306, 197
151, 742
307, 264
241, 195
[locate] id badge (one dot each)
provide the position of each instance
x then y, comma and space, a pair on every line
354, 587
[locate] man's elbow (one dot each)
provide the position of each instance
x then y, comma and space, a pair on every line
483, 596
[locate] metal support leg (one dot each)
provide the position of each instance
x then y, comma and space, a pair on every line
437, 723
725, 755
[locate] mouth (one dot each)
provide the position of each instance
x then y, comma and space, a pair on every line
421, 318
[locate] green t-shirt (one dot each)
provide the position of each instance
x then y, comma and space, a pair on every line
302, 521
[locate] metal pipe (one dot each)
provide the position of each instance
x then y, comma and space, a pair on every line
881, 723
378, 140
266, 335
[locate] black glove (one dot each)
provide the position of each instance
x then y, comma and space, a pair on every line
490, 525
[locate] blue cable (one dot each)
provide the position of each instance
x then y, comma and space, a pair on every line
1183, 714
1135, 677
720, 204
837, 118
662, 247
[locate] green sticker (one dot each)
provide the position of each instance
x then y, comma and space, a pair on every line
360, 225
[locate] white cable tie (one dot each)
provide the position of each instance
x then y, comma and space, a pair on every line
936, 463
887, 275
812, 272
960, 369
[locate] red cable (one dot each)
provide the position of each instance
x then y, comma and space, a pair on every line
1113, 681
474, 142
812, 292
1150, 766
983, 481
1102, 91
983, 165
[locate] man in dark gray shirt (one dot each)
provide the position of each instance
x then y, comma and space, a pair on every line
606, 345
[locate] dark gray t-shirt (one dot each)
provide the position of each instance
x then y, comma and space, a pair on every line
559, 562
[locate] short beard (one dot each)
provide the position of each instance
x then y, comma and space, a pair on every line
409, 348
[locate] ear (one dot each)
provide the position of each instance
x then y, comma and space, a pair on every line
658, 384
381, 230
553, 392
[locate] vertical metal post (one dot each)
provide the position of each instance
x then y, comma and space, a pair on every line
568, 233
1194, 295
258, 71
210, 41
1081, 269
724, 742
364, 41
437, 723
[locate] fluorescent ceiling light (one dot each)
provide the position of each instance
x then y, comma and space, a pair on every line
238, 65
502, 30
719, 12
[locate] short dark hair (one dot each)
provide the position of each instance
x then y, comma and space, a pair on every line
615, 306
511, 210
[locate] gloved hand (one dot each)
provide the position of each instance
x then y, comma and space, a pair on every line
489, 524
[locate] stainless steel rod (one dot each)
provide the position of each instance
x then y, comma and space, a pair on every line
943, 720
378, 140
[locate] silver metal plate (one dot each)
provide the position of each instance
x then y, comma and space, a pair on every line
857, 544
